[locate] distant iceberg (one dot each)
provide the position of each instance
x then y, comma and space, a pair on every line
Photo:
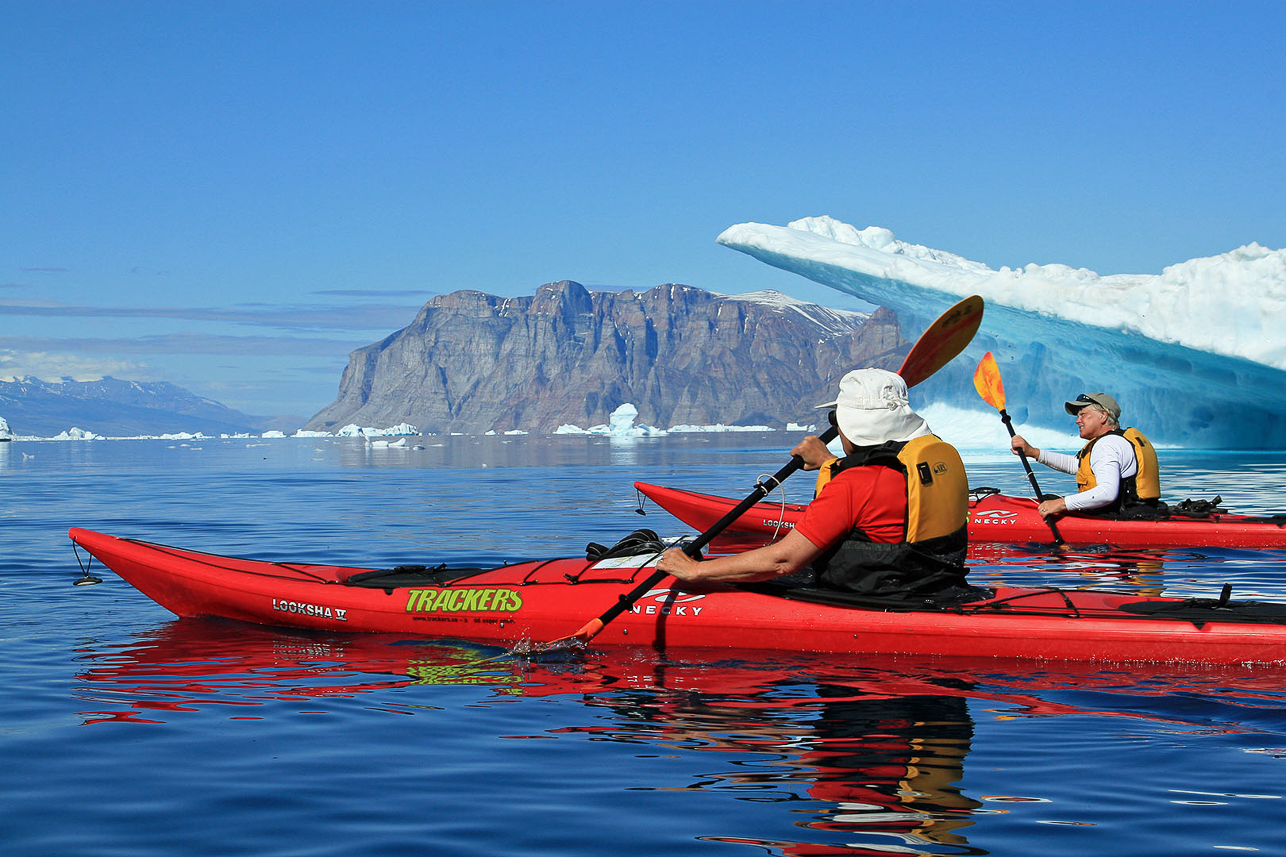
619, 424
1196, 355
77, 434
717, 427
354, 430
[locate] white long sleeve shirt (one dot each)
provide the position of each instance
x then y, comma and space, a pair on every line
1111, 460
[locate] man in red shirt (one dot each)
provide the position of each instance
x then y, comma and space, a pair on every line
891, 520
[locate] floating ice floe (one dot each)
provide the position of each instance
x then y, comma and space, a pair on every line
77, 434
717, 427
619, 424
354, 430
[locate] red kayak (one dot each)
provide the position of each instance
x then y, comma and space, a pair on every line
1000, 518
543, 601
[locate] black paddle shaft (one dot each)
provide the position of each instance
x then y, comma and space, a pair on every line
762, 489
1031, 477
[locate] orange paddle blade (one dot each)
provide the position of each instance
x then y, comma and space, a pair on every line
942, 341
986, 380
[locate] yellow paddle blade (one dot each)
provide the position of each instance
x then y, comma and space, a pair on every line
986, 380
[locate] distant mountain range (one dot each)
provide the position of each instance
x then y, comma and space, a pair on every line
472, 362
117, 408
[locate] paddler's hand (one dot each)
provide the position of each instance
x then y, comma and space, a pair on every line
1051, 508
676, 562
1021, 447
813, 451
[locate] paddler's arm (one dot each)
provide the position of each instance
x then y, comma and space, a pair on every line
1020, 446
813, 452
1056, 460
817, 456
1055, 506
1107, 462
787, 556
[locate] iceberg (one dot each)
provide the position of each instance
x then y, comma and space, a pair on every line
1196, 355
77, 434
620, 424
354, 430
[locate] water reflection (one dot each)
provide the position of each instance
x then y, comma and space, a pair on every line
856, 755
850, 760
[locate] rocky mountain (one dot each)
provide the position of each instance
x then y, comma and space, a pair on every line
473, 362
115, 408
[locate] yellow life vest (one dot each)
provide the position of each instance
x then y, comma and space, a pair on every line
928, 564
1143, 486
937, 489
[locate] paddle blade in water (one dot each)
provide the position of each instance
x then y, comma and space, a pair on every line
942, 341
578, 640
986, 380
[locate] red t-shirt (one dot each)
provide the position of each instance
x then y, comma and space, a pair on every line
871, 498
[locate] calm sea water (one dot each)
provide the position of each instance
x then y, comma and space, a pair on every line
126, 731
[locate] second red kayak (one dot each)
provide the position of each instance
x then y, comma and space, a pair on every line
999, 518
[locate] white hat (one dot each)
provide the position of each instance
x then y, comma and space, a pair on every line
873, 408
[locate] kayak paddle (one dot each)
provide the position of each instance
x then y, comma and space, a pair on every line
987, 381
935, 348
942, 340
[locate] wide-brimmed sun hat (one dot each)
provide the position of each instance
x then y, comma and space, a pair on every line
873, 408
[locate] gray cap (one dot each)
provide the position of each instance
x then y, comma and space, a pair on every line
1103, 400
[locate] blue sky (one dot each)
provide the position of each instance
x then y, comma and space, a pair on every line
232, 196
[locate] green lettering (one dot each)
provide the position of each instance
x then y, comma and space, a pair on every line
462, 600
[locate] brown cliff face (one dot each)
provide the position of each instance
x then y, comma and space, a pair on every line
472, 362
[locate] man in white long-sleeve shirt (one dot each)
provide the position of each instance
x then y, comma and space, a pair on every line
1108, 468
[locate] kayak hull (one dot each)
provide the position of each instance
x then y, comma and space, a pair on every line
998, 518
543, 601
